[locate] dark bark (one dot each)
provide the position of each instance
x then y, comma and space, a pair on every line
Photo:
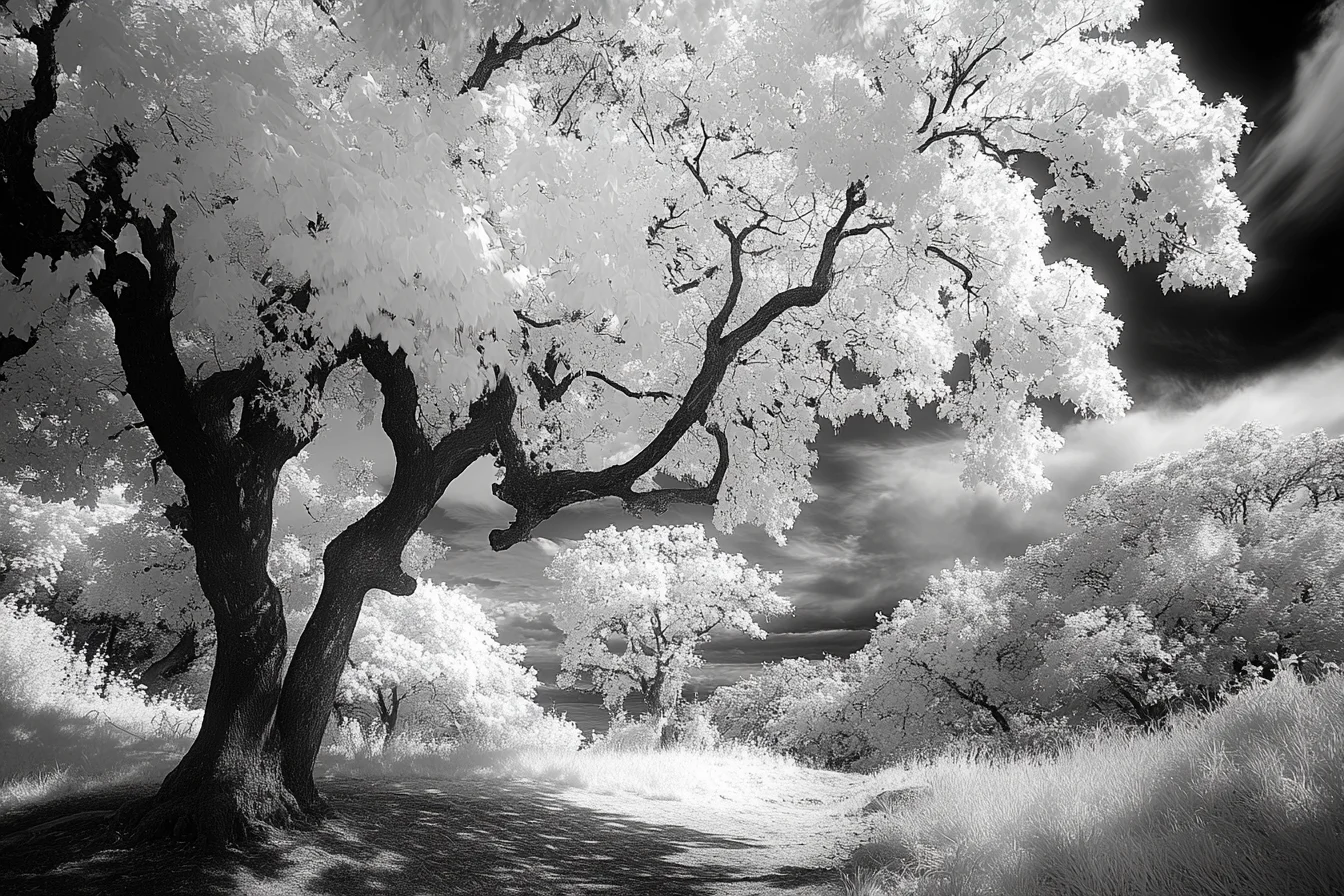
389, 707
155, 677
367, 554
229, 783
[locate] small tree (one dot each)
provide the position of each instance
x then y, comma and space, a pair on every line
635, 605
438, 646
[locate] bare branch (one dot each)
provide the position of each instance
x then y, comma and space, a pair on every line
965, 271
693, 166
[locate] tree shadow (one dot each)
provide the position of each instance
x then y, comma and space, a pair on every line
476, 836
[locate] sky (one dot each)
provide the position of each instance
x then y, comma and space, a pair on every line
891, 511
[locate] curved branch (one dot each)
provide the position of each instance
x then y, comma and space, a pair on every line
497, 55
965, 271
537, 494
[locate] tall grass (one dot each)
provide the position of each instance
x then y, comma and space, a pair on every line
66, 724
1246, 799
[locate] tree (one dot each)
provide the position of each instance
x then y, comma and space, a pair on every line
437, 646
635, 605
599, 254
795, 707
1178, 581
1191, 572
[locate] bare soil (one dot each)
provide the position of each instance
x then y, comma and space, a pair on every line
477, 836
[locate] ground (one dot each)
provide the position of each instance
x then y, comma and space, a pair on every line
478, 836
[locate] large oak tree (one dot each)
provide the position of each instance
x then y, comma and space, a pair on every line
639, 259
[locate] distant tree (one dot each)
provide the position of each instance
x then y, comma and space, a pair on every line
438, 649
635, 605
1185, 575
795, 707
1178, 581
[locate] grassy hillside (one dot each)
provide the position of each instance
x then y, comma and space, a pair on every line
1248, 799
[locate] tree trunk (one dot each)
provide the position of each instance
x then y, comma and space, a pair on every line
387, 713
229, 783
184, 652
367, 555
359, 559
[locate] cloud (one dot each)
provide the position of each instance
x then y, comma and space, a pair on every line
898, 514
470, 496
1296, 173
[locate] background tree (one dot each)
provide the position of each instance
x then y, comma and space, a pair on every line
795, 707
437, 649
635, 605
672, 259
1178, 582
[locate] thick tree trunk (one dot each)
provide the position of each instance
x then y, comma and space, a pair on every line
229, 783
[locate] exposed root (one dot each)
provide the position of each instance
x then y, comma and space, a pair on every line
213, 814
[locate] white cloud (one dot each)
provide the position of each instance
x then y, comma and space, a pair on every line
1297, 171
915, 512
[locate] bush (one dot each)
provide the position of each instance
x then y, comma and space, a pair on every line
70, 723
40, 669
627, 735
691, 728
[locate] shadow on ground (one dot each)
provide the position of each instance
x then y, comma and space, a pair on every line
479, 837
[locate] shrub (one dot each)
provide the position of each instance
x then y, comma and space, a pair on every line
69, 722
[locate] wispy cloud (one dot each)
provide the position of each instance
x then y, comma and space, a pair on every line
1295, 174
900, 514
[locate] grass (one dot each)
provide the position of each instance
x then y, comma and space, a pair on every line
67, 727
1247, 799
627, 764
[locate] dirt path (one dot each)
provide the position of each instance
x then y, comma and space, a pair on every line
483, 836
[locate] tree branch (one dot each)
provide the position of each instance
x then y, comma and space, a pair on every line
965, 271
537, 494
496, 55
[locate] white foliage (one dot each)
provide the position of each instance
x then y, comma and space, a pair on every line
585, 187
439, 647
635, 605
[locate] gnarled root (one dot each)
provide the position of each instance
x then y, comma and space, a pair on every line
212, 810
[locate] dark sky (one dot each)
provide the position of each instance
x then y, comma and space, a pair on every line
891, 512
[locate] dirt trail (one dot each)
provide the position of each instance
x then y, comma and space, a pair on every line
483, 836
